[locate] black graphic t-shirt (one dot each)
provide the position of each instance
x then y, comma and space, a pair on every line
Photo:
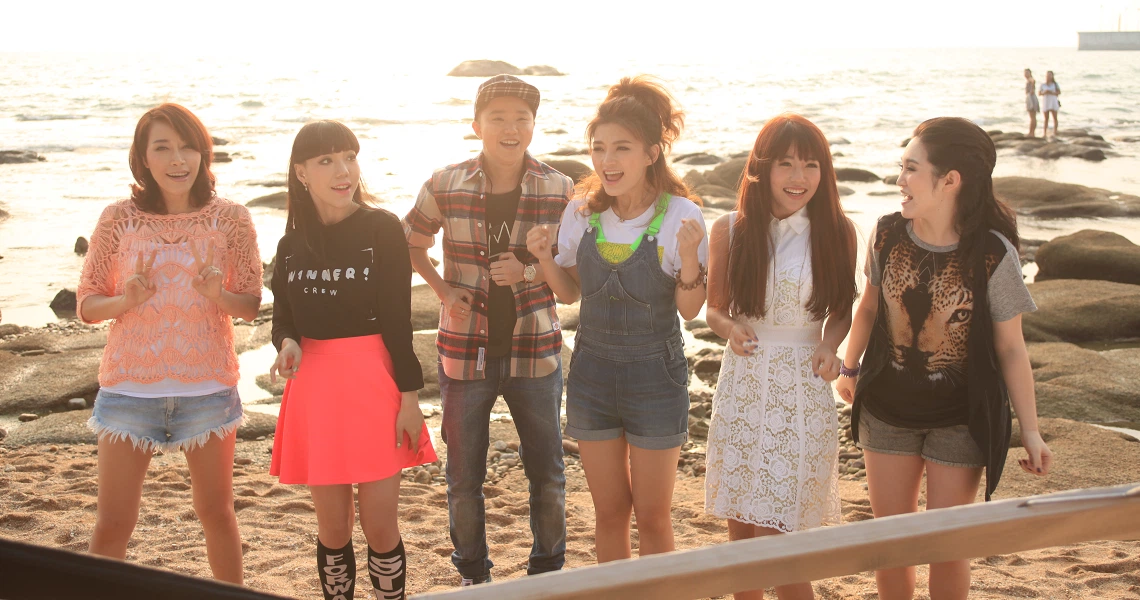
501, 210
929, 310
361, 286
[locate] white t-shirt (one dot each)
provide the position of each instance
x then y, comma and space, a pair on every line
575, 222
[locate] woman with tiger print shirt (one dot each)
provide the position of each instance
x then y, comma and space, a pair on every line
941, 325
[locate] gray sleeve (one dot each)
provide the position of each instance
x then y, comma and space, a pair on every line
1007, 294
871, 269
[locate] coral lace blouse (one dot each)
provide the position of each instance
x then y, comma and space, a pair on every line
177, 335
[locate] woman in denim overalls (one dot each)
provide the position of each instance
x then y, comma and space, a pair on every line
634, 248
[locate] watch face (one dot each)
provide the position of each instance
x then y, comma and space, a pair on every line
528, 273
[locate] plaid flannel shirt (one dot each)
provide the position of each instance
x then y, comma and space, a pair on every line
454, 199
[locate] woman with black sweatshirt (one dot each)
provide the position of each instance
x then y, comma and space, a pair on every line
342, 303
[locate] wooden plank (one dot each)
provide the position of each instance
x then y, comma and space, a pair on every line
1000, 527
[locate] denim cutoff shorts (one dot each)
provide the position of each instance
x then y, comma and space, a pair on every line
174, 423
639, 391
951, 446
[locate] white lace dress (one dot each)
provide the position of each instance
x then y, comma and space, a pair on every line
773, 447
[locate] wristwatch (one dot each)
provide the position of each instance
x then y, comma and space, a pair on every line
529, 273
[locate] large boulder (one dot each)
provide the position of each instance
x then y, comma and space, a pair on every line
1054, 150
575, 170
849, 174
1048, 200
64, 301
1084, 385
1090, 254
542, 71
490, 68
11, 157
1083, 311
274, 200
58, 428
47, 381
424, 345
484, 68
71, 428
727, 174
425, 308
697, 158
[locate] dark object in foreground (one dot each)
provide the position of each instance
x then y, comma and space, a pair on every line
34, 572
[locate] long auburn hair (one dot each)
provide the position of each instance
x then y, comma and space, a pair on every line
956, 144
832, 233
643, 106
145, 192
316, 139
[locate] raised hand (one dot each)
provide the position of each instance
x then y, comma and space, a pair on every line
506, 270
208, 282
540, 241
689, 238
138, 288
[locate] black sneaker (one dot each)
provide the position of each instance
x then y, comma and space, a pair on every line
476, 581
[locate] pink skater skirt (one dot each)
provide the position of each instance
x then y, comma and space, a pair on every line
338, 417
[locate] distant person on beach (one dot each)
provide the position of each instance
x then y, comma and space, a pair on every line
940, 321
633, 247
1031, 103
342, 327
781, 265
498, 328
1050, 102
170, 266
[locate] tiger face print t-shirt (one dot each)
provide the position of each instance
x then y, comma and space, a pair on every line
929, 309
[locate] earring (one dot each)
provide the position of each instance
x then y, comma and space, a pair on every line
305, 185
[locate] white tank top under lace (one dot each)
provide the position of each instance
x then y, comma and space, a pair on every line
773, 447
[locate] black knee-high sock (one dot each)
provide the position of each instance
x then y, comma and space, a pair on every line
337, 571
388, 572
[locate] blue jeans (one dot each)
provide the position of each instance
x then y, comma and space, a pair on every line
535, 405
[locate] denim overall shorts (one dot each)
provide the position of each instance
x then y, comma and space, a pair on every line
628, 375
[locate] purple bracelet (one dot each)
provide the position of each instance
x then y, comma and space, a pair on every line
850, 373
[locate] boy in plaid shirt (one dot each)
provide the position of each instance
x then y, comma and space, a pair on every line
498, 329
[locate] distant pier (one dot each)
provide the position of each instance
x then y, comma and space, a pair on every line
1109, 40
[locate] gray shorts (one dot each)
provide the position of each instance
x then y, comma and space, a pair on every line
950, 446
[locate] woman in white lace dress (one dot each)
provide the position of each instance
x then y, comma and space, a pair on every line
781, 285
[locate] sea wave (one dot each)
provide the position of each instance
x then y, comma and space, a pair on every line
23, 117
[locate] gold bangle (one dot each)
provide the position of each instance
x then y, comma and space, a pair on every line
702, 278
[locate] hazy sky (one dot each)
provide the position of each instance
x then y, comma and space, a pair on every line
535, 31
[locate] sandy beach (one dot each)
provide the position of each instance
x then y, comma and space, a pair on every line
49, 494
1084, 341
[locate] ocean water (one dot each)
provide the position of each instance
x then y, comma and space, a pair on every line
79, 111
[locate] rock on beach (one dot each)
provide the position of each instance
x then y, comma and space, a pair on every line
1089, 254
1049, 200
490, 68
15, 157
575, 170
1083, 311
274, 200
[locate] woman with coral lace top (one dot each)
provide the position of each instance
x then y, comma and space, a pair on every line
170, 266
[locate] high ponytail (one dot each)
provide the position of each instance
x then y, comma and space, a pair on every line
643, 106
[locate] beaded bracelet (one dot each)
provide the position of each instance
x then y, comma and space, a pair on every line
702, 279
849, 373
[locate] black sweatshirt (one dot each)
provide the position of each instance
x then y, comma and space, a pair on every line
362, 286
